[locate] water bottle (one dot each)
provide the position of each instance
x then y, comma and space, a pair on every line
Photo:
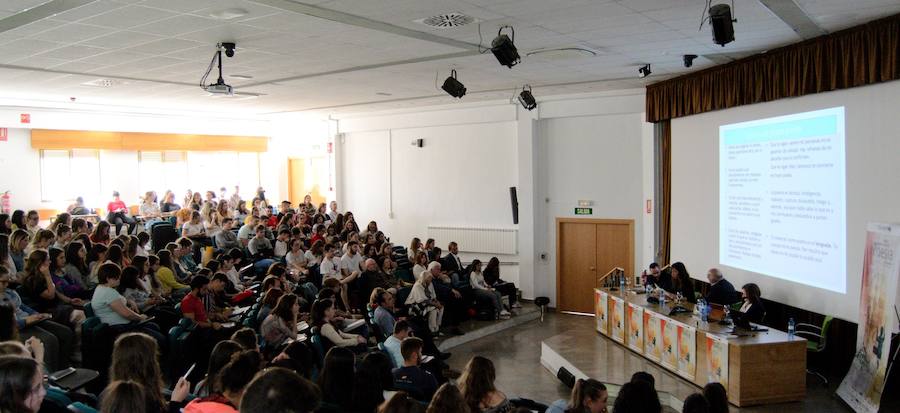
622, 284
704, 310
662, 296
648, 289
792, 326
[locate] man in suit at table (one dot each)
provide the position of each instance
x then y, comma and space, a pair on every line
720, 290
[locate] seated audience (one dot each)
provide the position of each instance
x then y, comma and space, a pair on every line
482, 291
644, 377
753, 307
372, 380
231, 382
165, 275
269, 300
637, 397
410, 377
323, 314
336, 379
281, 324
492, 278
393, 344
717, 397
149, 210
423, 301
220, 356
112, 308
247, 338
401, 402
18, 242
21, 385
76, 268
117, 214
448, 399
100, 235
695, 403
78, 208
38, 286
124, 396
588, 396
226, 239
477, 387
279, 390
41, 240
720, 290
136, 358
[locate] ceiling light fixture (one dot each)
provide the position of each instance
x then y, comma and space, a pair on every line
454, 87
504, 49
526, 99
229, 14
245, 77
644, 71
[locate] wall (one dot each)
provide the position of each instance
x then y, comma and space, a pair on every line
594, 147
872, 171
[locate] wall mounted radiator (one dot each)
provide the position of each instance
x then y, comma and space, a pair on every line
483, 240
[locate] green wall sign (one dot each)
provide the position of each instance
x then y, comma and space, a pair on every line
584, 211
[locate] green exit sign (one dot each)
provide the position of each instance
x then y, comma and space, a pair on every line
584, 211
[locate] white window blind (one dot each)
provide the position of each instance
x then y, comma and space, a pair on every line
66, 174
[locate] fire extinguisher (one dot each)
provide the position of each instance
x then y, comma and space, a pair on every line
5, 207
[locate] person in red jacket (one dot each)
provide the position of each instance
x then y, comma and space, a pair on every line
118, 214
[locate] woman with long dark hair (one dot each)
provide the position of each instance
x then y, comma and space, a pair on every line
21, 385
101, 233
18, 220
218, 358
135, 357
753, 306
336, 378
588, 396
281, 324
682, 282
323, 313
373, 378
492, 278
76, 265
5, 224
477, 387
39, 287
448, 399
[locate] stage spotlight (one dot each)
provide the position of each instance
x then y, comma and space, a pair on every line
722, 24
229, 49
504, 48
689, 60
644, 70
454, 87
527, 99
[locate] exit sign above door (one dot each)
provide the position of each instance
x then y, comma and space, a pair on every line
584, 211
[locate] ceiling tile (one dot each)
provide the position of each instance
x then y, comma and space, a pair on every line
88, 10
127, 17
71, 32
176, 26
73, 52
121, 39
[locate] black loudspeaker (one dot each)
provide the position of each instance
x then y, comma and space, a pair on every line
722, 24
567, 378
514, 201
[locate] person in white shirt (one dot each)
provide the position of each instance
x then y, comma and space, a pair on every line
423, 299
314, 253
248, 230
351, 262
281, 243
482, 291
212, 222
420, 262
296, 257
149, 210
226, 266
329, 265
193, 228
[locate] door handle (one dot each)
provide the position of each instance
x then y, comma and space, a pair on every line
593, 269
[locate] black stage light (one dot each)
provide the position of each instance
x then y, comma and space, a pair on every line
454, 87
644, 70
722, 24
527, 99
504, 49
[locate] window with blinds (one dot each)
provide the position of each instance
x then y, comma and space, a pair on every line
67, 174
199, 171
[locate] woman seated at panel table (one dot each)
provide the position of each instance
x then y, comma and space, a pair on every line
681, 283
752, 308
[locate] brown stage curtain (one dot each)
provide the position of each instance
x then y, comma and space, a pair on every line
665, 192
858, 56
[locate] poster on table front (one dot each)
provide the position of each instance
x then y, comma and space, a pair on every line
635, 327
687, 351
652, 336
864, 383
601, 311
617, 319
669, 344
717, 359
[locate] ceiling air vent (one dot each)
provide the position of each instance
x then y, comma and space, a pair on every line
447, 21
104, 83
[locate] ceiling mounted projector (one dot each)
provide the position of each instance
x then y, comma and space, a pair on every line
454, 87
220, 88
504, 49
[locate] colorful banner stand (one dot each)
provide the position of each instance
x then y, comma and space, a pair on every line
717, 359
670, 345
601, 311
687, 351
863, 384
653, 339
635, 327
617, 319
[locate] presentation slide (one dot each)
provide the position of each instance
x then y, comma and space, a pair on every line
782, 198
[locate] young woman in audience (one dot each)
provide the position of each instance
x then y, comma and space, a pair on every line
448, 399
6, 260
112, 308
323, 314
41, 240
218, 358
481, 290
134, 291
372, 381
18, 220
39, 287
296, 257
165, 275
753, 306
212, 222
124, 396
115, 255
194, 228
637, 397
135, 358
336, 378
269, 301
281, 324
717, 397
62, 219
401, 402
149, 210
682, 283
196, 201
230, 382
420, 261
32, 222
168, 206
68, 286
63, 236
6, 226
477, 387
101, 233
96, 256
76, 267
21, 385
18, 241
588, 396
492, 278
695, 403
223, 210
247, 338
299, 357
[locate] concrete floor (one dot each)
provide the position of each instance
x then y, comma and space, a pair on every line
516, 355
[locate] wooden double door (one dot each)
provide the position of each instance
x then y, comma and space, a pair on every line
586, 249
